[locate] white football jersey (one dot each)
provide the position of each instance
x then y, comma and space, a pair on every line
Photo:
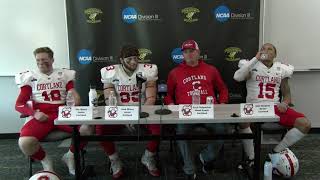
264, 83
50, 89
125, 86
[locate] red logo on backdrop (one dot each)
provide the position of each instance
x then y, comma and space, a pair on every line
186, 110
248, 109
66, 112
113, 112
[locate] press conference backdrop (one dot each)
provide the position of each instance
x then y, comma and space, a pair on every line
293, 26
26, 25
225, 31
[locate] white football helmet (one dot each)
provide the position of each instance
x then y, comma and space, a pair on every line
286, 164
45, 175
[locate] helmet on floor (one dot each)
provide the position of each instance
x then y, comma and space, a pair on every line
287, 164
45, 175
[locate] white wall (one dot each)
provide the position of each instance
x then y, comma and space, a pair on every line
293, 27
26, 25
305, 89
9, 118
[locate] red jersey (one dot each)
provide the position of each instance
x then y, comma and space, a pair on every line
184, 79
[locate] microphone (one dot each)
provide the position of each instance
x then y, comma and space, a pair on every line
140, 79
162, 91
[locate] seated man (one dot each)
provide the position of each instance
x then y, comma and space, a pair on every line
121, 79
47, 89
264, 80
191, 75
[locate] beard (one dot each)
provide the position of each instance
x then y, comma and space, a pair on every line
130, 67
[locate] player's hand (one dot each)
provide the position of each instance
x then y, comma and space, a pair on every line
131, 127
282, 107
40, 116
258, 55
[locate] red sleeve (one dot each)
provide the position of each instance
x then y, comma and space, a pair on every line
70, 85
23, 98
221, 87
171, 86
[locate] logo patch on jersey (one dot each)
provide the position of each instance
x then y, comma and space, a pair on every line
115, 81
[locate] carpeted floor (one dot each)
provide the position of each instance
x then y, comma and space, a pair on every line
14, 164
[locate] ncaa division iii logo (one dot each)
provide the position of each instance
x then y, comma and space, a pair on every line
189, 12
92, 15
129, 15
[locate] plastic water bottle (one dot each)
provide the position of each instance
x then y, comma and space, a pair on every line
210, 100
112, 99
93, 96
267, 169
196, 97
70, 99
93, 101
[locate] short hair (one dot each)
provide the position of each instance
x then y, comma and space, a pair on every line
129, 50
43, 50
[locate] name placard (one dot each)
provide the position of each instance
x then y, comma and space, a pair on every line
196, 111
121, 112
75, 113
257, 109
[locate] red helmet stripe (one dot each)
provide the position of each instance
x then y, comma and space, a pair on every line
291, 164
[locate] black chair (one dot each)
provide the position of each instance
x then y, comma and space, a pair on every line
53, 136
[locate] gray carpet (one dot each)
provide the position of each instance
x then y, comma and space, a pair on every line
14, 164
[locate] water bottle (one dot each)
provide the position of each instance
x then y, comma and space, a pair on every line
264, 56
112, 99
93, 101
93, 97
70, 99
209, 100
267, 169
196, 96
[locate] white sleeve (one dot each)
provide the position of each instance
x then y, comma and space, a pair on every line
107, 74
69, 75
245, 67
150, 72
287, 70
24, 79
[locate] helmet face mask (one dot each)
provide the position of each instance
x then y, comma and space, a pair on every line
287, 165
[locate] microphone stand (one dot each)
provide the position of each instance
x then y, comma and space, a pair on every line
141, 80
163, 111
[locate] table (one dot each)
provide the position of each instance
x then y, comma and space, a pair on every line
223, 114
